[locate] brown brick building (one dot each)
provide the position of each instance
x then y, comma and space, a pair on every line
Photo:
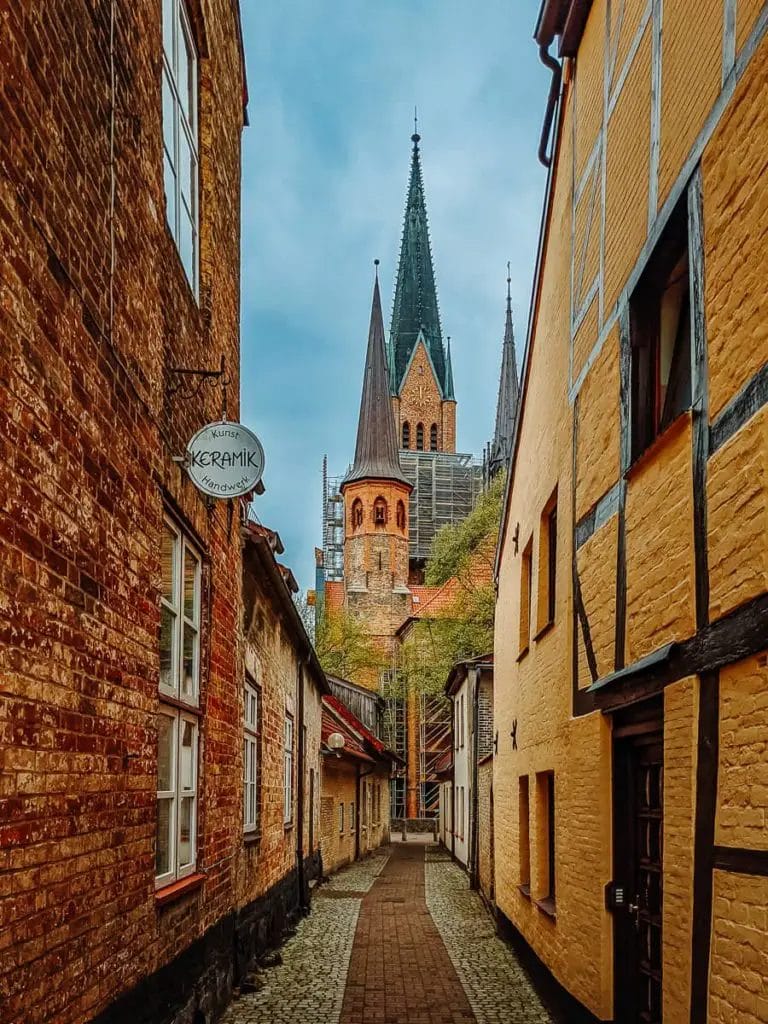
631, 654
125, 871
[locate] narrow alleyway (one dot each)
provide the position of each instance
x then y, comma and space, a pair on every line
396, 939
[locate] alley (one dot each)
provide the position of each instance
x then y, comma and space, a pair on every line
396, 939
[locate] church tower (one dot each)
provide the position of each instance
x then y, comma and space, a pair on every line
376, 494
421, 376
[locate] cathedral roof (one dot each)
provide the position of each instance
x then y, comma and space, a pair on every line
509, 390
415, 307
376, 449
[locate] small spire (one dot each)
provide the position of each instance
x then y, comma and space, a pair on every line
376, 271
415, 138
449, 392
509, 293
509, 388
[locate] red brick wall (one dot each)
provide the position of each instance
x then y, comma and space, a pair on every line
85, 470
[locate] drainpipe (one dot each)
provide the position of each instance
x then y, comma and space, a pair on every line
555, 67
303, 901
474, 873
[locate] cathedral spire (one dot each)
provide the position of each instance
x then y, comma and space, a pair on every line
376, 450
449, 393
506, 406
415, 307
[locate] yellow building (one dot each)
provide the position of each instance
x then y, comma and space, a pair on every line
631, 687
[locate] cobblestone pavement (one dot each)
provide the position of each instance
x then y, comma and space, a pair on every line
395, 939
498, 989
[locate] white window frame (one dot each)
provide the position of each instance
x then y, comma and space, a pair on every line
288, 771
183, 129
351, 816
175, 795
341, 817
182, 550
251, 736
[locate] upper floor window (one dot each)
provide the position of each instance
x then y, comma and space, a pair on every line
251, 729
180, 135
660, 315
380, 512
406, 434
179, 617
419, 437
433, 438
357, 513
400, 515
547, 571
176, 826
526, 588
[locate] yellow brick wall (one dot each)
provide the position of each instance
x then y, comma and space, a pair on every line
339, 786
680, 745
737, 522
734, 169
742, 818
586, 335
596, 562
738, 993
690, 80
660, 576
597, 467
747, 12
588, 85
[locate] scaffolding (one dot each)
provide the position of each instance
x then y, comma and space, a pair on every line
395, 737
445, 489
434, 741
333, 526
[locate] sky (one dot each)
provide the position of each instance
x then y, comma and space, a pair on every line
332, 89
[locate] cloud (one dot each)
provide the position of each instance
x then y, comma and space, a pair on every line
325, 169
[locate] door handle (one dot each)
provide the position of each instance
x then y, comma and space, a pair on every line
634, 911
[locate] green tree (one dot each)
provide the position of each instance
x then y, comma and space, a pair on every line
344, 647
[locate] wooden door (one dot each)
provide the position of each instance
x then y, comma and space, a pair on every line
638, 869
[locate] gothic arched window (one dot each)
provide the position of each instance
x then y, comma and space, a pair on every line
406, 434
379, 512
433, 438
400, 515
357, 513
420, 437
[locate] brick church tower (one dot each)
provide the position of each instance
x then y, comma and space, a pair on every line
376, 494
421, 378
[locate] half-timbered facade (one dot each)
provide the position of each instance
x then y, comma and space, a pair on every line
630, 780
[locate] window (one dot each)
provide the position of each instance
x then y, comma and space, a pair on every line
288, 771
351, 817
526, 585
380, 512
660, 336
180, 134
179, 617
419, 437
433, 438
545, 830
251, 758
400, 515
406, 434
176, 840
461, 721
357, 513
524, 816
547, 571
341, 819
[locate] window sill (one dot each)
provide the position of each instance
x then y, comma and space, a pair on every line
288, 827
525, 890
543, 630
251, 838
547, 906
176, 890
522, 653
180, 705
660, 441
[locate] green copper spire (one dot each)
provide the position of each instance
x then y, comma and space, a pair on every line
415, 307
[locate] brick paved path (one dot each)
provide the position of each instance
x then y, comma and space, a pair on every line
400, 971
394, 941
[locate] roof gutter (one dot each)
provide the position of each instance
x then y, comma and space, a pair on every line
556, 68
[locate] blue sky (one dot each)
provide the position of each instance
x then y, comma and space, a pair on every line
325, 167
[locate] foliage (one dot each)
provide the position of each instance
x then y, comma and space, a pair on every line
463, 630
457, 548
344, 647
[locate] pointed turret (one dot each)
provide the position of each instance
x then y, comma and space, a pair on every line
415, 307
376, 449
506, 406
450, 395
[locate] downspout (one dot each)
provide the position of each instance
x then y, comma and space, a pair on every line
474, 874
300, 875
556, 68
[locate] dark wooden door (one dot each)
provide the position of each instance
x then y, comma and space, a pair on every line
638, 862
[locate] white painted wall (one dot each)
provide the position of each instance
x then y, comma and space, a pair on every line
462, 754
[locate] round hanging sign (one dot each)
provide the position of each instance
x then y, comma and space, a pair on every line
225, 460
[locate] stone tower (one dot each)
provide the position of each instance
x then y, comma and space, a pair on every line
376, 497
421, 377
